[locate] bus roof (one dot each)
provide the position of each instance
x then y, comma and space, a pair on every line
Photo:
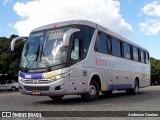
87, 23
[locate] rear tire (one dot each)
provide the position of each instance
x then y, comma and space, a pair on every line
135, 90
93, 93
56, 98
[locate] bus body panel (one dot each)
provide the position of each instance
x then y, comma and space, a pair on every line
75, 78
117, 71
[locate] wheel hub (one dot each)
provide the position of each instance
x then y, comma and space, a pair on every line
92, 90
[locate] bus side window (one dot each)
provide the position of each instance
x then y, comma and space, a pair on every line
122, 50
146, 57
131, 52
109, 44
116, 48
102, 43
126, 50
135, 54
142, 56
139, 55
75, 54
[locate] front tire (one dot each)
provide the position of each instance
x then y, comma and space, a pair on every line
56, 98
93, 93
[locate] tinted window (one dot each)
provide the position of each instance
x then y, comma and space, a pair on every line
146, 57
127, 51
139, 55
135, 54
4, 82
9, 82
142, 56
84, 35
102, 43
116, 49
80, 49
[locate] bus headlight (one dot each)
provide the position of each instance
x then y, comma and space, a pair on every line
19, 78
60, 76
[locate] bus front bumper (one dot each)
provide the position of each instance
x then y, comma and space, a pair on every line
56, 88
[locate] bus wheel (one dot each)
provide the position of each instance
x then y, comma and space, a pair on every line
56, 98
93, 92
135, 90
107, 92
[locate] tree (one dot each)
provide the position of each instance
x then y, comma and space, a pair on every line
9, 61
155, 71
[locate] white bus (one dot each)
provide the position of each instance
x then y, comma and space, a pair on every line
83, 58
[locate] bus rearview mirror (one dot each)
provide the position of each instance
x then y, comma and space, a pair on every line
24, 38
67, 35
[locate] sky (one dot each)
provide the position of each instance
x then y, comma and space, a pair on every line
136, 20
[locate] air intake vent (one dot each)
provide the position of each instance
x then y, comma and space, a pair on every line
41, 88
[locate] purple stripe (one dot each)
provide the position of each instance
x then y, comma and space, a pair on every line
120, 87
31, 75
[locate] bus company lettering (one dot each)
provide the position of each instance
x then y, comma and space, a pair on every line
101, 62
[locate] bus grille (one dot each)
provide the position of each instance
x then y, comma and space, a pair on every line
41, 88
42, 81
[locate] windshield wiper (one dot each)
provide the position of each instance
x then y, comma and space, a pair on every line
37, 53
41, 52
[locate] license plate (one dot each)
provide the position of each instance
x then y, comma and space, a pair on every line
36, 92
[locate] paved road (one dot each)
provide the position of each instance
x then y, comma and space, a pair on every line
147, 100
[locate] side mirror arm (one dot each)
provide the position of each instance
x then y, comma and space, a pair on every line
24, 38
67, 35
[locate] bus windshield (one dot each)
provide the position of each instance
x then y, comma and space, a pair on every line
44, 49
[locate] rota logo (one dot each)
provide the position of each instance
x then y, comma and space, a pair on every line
101, 62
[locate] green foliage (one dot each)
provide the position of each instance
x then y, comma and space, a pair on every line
155, 71
9, 61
